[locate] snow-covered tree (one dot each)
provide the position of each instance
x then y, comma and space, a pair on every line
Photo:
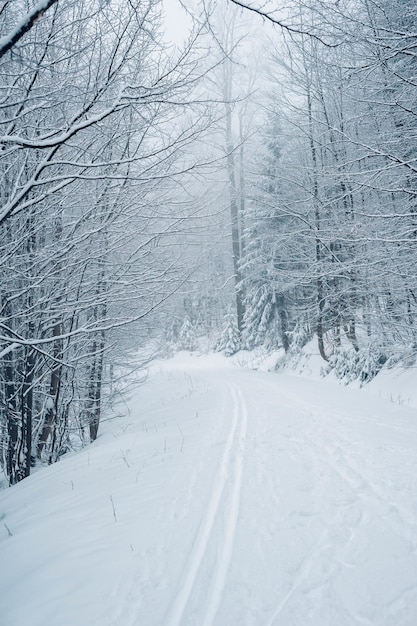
229, 340
274, 248
96, 117
187, 337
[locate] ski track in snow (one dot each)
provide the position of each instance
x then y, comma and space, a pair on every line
230, 469
249, 499
226, 554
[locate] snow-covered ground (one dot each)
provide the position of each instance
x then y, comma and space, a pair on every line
225, 496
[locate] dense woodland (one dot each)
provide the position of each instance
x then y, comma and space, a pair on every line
255, 184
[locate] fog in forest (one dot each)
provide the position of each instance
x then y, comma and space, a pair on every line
216, 176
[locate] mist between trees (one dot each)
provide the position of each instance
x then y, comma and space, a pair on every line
256, 187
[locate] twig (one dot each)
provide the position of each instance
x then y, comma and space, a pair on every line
8, 530
183, 438
114, 510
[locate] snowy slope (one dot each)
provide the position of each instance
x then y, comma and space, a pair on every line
228, 497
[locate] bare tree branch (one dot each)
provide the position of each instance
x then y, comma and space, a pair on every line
277, 22
8, 41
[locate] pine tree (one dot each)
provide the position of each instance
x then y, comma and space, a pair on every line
229, 340
187, 337
272, 259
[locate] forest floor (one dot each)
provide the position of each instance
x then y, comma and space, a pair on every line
222, 496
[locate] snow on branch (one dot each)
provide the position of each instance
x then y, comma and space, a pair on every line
277, 22
8, 41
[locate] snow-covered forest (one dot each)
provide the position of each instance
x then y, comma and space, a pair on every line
191, 191
253, 182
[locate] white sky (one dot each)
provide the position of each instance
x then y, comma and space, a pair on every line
178, 23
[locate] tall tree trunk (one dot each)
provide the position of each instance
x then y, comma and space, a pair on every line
234, 210
27, 409
95, 390
318, 245
50, 420
12, 421
282, 312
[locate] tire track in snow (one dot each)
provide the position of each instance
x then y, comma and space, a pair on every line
197, 554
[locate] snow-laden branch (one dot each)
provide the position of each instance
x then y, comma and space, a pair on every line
277, 22
8, 41
63, 137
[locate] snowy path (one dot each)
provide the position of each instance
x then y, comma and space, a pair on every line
226, 497
229, 475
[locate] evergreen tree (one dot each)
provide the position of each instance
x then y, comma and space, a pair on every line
269, 266
229, 340
187, 336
